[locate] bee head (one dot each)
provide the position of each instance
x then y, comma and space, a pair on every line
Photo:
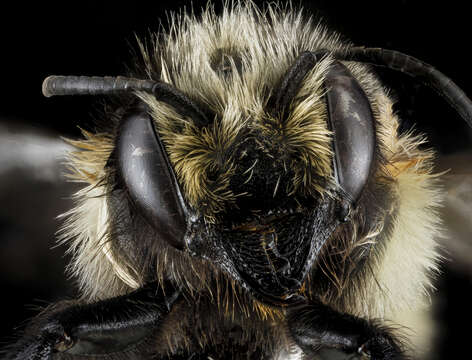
248, 169
273, 187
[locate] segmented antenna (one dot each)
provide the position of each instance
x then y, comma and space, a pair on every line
108, 85
416, 68
93, 85
292, 80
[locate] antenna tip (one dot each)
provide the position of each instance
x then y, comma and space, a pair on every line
47, 86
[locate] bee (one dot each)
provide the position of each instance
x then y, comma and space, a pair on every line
249, 196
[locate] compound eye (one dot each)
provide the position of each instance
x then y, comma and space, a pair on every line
352, 123
149, 178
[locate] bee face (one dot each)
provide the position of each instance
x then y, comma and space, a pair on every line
248, 153
248, 119
257, 180
247, 175
253, 214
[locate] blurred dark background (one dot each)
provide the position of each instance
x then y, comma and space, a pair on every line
95, 38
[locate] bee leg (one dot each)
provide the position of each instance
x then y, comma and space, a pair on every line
321, 331
114, 325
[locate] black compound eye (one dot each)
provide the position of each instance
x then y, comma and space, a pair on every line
352, 123
149, 178
142, 160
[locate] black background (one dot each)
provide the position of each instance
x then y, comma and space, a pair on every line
91, 38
